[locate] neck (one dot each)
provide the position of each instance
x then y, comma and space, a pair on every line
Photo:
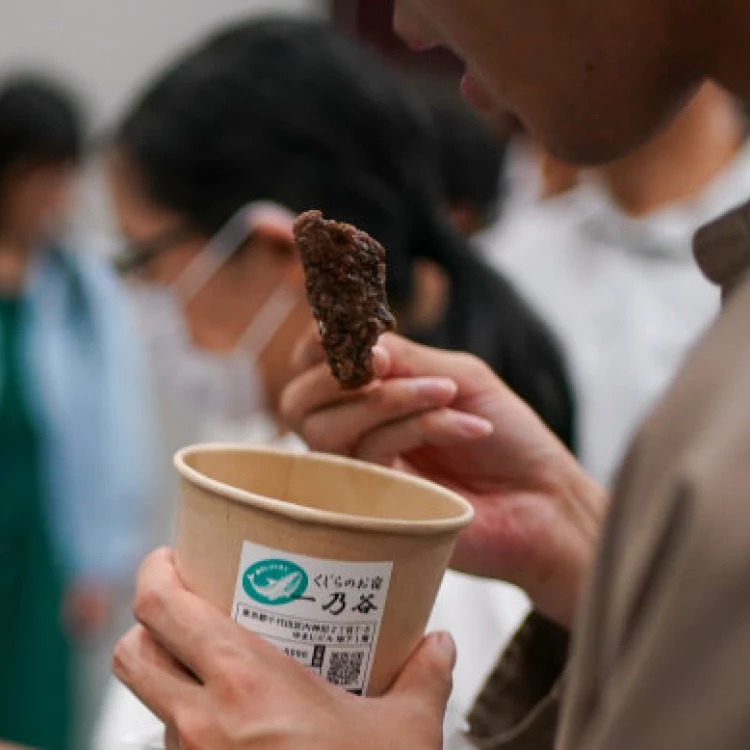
679, 164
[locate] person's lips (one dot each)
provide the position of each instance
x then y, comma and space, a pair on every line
416, 44
474, 94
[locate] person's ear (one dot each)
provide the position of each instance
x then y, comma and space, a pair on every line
278, 239
277, 236
466, 219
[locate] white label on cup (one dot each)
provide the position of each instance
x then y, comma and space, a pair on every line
325, 614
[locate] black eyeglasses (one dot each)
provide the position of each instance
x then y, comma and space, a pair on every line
135, 257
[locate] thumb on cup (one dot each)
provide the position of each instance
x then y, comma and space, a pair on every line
427, 678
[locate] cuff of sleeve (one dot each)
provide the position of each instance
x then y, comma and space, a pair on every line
518, 708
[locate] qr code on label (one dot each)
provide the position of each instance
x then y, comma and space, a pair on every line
345, 668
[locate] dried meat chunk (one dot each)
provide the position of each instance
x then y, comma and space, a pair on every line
345, 273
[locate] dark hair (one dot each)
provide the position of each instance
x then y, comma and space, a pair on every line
470, 156
40, 122
293, 111
290, 111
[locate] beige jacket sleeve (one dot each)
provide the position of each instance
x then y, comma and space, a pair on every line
670, 667
661, 655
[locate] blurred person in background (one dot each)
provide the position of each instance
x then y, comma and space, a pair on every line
71, 476
609, 263
261, 121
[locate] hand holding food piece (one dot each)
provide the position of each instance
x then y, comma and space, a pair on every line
447, 417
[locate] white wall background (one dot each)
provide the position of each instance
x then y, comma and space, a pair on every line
108, 48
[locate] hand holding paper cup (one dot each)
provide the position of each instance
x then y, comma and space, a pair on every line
334, 561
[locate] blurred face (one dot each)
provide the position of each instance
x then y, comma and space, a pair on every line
590, 79
37, 200
144, 225
233, 294
219, 314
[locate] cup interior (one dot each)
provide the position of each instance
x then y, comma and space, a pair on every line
327, 484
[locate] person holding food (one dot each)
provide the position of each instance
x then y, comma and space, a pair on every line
659, 616
205, 197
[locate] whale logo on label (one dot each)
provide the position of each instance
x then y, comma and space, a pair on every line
275, 582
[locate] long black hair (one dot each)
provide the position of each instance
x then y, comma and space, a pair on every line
294, 112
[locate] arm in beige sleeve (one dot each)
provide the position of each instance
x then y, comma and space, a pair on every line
674, 662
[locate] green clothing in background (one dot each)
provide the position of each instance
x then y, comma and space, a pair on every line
35, 691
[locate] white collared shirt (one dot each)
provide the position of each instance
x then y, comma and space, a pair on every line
623, 295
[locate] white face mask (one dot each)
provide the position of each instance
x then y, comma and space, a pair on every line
224, 387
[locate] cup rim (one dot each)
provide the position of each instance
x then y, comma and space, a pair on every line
325, 517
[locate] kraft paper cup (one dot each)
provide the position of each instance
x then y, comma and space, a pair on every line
335, 561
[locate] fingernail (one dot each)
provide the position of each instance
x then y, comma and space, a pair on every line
472, 426
444, 643
430, 390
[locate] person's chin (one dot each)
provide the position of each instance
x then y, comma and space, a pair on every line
585, 148
581, 133
581, 141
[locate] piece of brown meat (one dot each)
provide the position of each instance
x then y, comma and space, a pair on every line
345, 273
